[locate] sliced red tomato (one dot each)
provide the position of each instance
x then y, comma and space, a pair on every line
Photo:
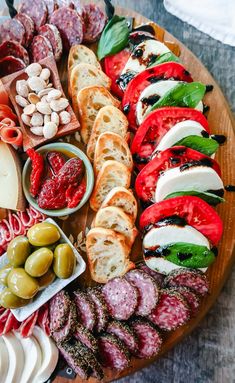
156, 125
169, 70
113, 66
196, 212
6, 112
146, 181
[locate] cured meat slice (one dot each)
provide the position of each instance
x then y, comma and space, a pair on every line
10, 324
95, 20
10, 64
85, 309
124, 333
40, 48
59, 307
12, 48
36, 10
171, 311
27, 326
73, 358
51, 6
191, 298
26, 218
149, 339
100, 308
68, 328
147, 290
70, 26
37, 215
193, 279
9, 235
85, 337
28, 24
43, 319
158, 277
12, 29
112, 352
13, 136
52, 34
120, 297
91, 360
15, 223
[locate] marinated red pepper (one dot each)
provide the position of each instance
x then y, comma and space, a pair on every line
37, 171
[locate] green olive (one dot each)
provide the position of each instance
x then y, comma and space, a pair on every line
21, 284
64, 261
18, 251
43, 234
39, 262
11, 301
4, 271
46, 279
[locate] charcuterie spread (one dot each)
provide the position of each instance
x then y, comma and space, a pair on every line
133, 151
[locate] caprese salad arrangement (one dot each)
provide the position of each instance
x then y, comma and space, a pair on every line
143, 125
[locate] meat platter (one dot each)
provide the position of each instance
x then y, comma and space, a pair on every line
113, 128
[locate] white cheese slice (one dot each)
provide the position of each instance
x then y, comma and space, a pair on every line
16, 358
163, 266
198, 178
4, 361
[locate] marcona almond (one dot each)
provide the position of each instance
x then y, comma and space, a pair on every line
49, 130
44, 92
45, 74
43, 107
21, 101
54, 94
33, 69
37, 130
26, 119
59, 105
33, 98
47, 118
30, 109
36, 83
22, 88
37, 119
65, 117
55, 118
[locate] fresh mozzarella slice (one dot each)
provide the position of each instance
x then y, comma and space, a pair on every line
50, 355
4, 361
138, 62
16, 358
158, 89
199, 178
163, 266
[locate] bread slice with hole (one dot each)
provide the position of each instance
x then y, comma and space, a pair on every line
124, 199
90, 100
108, 254
111, 146
108, 119
112, 174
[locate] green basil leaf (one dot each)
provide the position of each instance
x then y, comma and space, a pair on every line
203, 145
114, 37
183, 94
210, 198
165, 57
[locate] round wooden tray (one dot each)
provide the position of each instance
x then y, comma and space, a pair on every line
221, 122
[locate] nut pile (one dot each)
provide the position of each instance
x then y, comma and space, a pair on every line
43, 106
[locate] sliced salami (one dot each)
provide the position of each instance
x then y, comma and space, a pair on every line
27, 326
58, 310
51, 7
15, 223
12, 29
40, 48
91, 360
158, 277
36, 10
68, 329
123, 332
11, 324
85, 309
86, 337
70, 26
28, 24
43, 319
95, 20
191, 298
147, 290
74, 359
52, 34
149, 339
100, 308
12, 48
193, 279
112, 352
121, 298
10, 64
171, 311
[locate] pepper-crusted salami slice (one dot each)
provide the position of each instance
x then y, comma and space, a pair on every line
68, 329
51, 6
171, 311
28, 24
12, 29
191, 298
95, 20
85, 309
158, 277
36, 10
52, 34
123, 332
40, 48
12, 48
193, 279
120, 297
112, 352
73, 358
100, 308
91, 360
147, 289
86, 337
149, 340
59, 310
10, 64
70, 26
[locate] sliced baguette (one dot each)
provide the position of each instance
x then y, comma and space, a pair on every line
112, 174
90, 100
114, 218
107, 254
124, 199
111, 146
108, 119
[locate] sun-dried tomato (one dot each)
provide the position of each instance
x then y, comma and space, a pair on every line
72, 172
56, 161
37, 171
74, 194
52, 195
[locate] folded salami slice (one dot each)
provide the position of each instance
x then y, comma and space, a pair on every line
95, 20
73, 358
27, 326
158, 277
100, 308
28, 24
191, 298
37, 215
11, 324
15, 224
37, 10
51, 6
85, 309
123, 332
52, 34
12, 48
43, 319
12, 29
10, 64
121, 298
68, 328
91, 360
40, 48
26, 218
59, 307
112, 352
171, 311
149, 339
147, 289
193, 279
86, 337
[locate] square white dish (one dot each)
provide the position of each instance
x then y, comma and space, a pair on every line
46, 294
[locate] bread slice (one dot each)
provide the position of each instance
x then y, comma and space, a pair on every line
108, 119
90, 100
111, 146
114, 218
107, 254
124, 199
112, 174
